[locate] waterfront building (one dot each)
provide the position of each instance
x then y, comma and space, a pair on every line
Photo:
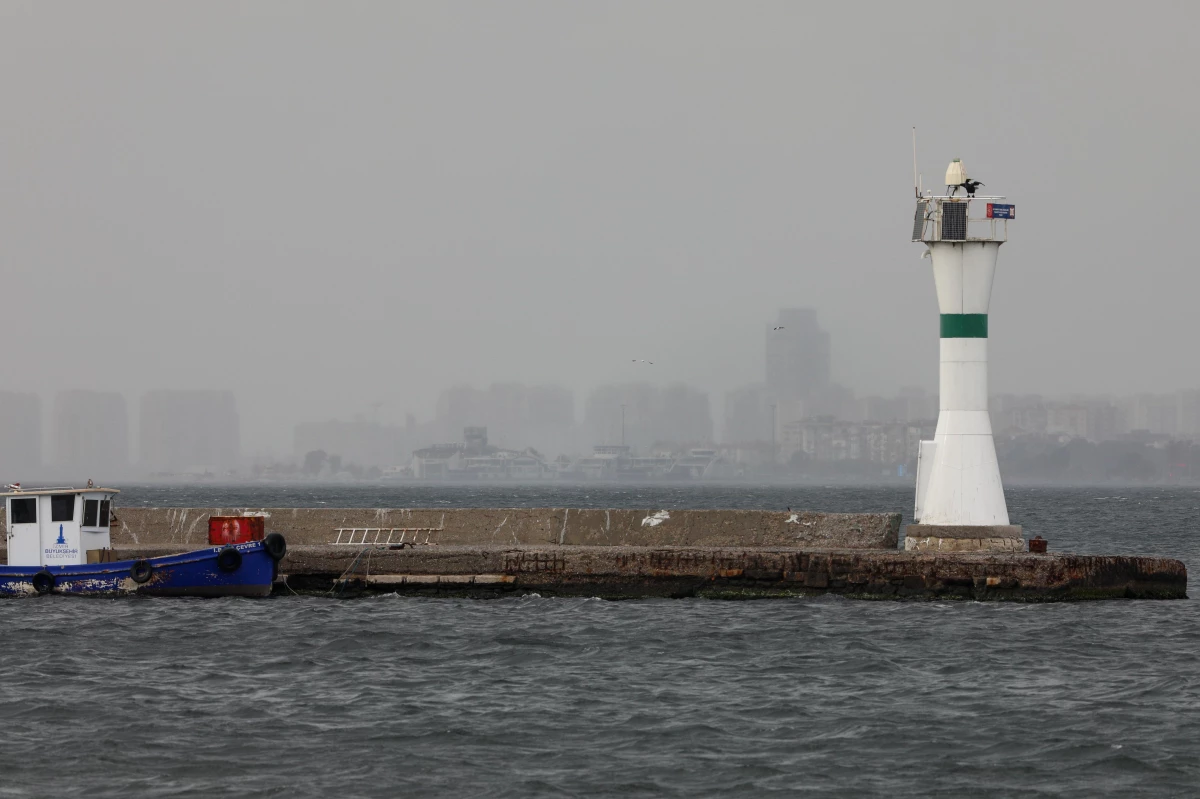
701, 463
436, 462
504, 464
605, 462
828, 440
475, 459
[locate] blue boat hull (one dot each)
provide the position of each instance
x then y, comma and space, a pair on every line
211, 572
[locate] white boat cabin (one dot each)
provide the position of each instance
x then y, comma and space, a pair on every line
56, 526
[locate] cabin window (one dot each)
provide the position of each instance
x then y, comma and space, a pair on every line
62, 508
104, 513
24, 510
91, 507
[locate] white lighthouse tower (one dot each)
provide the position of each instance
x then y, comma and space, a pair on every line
960, 499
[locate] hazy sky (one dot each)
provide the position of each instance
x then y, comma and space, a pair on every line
325, 205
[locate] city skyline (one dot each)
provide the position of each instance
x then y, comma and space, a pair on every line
181, 431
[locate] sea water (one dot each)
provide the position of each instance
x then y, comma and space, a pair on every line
530, 696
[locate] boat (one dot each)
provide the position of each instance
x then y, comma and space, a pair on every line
59, 542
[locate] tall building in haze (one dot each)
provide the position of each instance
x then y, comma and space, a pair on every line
183, 431
797, 356
748, 415
90, 433
20, 434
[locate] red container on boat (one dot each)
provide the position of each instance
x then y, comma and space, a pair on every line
235, 529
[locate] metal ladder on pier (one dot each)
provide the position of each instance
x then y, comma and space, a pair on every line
383, 536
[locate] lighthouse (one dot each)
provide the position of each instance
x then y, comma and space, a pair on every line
960, 499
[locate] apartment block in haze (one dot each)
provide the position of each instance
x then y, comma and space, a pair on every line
89, 432
748, 416
20, 434
188, 432
797, 355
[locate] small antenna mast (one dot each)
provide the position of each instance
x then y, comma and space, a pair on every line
916, 182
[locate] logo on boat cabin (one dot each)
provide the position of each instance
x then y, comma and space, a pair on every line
61, 549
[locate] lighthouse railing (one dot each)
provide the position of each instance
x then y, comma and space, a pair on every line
950, 219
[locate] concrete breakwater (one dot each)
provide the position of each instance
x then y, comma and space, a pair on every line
527, 526
621, 553
623, 572
732, 572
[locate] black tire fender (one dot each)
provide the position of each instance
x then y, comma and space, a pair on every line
141, 571
275, 546
229, 560
43, 582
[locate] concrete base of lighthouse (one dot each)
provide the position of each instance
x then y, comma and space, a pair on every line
963, 538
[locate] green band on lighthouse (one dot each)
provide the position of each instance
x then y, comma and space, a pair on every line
964, 325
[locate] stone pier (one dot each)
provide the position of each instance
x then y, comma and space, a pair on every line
734, 554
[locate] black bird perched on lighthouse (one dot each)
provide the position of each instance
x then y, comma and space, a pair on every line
970, 186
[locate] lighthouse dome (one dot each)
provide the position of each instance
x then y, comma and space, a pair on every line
956, 173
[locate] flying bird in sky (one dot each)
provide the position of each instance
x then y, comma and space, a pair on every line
779, 328
643, 360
